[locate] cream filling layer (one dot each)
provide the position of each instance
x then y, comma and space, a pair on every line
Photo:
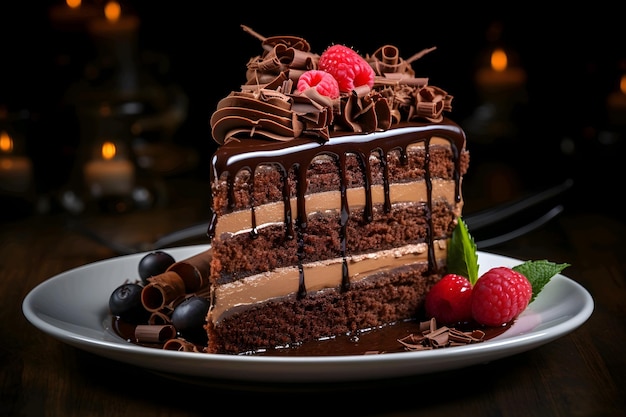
273, 213
317, 275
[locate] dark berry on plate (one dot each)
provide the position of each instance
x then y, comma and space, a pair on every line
125, 302
154, 263
191, 313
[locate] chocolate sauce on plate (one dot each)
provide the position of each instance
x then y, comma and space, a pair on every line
376, 341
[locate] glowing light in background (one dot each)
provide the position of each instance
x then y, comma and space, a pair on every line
499, 60
6, 142
108, 150
112, 11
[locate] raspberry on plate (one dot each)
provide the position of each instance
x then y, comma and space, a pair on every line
349, 68
449, 300
499, 296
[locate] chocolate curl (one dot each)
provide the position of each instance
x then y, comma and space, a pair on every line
256, 80
430, 110
154, 334
158, 318
430, 103
311, 98
180, 345
269, 64
458, 337
420, 54
163, 289
259, 81
384, 118
315, 111
362, 90
402, 103
278, 60
447, 103
268, 43
439, 338
194, 271
304, 61
294, 42
291, 58
387, 59
396, 79
391, 115
360, 113
274, 97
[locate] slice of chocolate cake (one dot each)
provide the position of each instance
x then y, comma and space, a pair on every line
330, 215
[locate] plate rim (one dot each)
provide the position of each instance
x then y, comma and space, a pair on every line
305, 368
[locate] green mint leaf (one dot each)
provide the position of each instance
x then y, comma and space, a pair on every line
539, 273
462, 253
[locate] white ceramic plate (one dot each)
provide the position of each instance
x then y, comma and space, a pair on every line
73, 307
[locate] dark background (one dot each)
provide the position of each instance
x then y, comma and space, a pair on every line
573, 60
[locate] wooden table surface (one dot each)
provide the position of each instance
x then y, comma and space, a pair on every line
580, 374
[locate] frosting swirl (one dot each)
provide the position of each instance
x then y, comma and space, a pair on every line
269, 105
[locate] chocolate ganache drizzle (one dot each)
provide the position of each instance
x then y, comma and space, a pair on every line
269, 122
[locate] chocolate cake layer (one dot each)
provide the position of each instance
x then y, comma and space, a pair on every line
383, 298
246, 255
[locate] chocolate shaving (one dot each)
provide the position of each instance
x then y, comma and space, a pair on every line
433, 337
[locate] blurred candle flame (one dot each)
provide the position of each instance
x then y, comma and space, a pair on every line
73, 4
112, 11
622, 84
108, 150
499, 60
6, 142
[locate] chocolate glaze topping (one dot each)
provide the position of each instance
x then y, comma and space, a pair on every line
298, 154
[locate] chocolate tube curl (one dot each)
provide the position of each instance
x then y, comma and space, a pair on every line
154, 334
387, 59
194, 271
163, 290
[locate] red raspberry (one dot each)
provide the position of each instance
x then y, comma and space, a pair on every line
449, 301
323, 82
349, 68
499, 296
